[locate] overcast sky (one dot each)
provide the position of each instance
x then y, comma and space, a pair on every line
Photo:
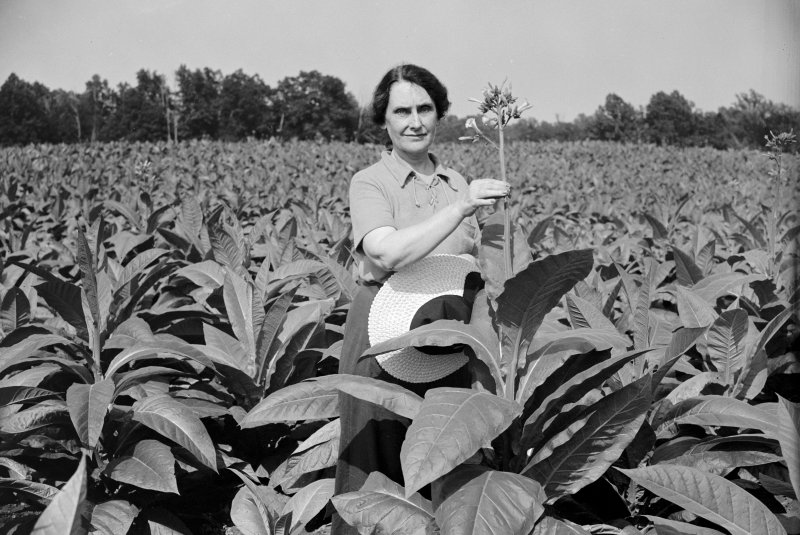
563, 56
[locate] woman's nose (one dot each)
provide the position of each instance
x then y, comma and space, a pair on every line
414, 120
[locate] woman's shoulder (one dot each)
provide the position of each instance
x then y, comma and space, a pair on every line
377, 173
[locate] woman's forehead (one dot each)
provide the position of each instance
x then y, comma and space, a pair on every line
406, 93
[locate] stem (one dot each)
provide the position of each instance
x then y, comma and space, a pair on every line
773, 221
507, 267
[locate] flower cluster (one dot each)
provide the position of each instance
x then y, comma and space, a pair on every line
498, 101
497, 108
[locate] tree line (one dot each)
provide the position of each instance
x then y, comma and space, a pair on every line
209, 105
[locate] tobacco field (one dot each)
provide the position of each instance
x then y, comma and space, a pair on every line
171, 320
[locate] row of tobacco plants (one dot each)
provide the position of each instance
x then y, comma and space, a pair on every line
171, 321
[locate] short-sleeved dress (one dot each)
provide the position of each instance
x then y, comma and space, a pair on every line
388, 193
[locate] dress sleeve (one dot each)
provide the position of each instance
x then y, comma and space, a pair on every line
369, 208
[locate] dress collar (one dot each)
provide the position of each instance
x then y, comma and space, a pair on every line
402, 172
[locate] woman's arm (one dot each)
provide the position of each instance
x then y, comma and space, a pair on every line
391, 249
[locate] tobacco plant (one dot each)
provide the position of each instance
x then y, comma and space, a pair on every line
168, 332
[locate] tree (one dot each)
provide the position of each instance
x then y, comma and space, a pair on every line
199, 93
141, 113
95, 107
314, 105
243, 107
753, 116
616, 120
65, 116
23, 112
669, 118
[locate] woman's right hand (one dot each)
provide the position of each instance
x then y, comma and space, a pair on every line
484, 192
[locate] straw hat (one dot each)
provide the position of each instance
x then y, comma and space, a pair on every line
435, 287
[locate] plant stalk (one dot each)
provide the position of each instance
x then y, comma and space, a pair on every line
507, 265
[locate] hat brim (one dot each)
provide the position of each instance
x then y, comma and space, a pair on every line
396, 303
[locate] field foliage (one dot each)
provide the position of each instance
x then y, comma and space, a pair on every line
171, 320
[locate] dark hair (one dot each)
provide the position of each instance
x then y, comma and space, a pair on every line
416, 75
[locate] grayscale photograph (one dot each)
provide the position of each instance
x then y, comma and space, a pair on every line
355, 267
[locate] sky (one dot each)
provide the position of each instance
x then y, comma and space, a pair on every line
563, 56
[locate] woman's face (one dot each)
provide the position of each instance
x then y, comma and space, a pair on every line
411, 119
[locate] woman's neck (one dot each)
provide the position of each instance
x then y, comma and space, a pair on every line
421, 163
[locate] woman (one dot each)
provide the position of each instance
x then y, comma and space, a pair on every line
403, 208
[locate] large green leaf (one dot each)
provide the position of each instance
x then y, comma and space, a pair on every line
268, 502
229, 247
318, 398
113, 517
65, 299
552, 526
629, 285
150, 465
129, 333
641, 315
722, 462
581, 339
753, 375
390, 396
726, 338
452, 424
88, 268
308, 400
135, 267
28, 346
789, 439
88, 405
692, 387
682, 339
10, 395
158, 348
444, 333
686, 271
40, 492
177, 422
719, 284
15, 310
130, 378
207, 274
319, 451
380, 506
238, 296
162, 522
709, 496
248, 515
309, 501
719, 411
266, 343
284, 364
541, 369
665, 526
693, 310
223, 348
63, 515
326, 433
583, 314
30, 377
489, 502
48, 412
343, 277
581, 454
566, 385
532, 293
